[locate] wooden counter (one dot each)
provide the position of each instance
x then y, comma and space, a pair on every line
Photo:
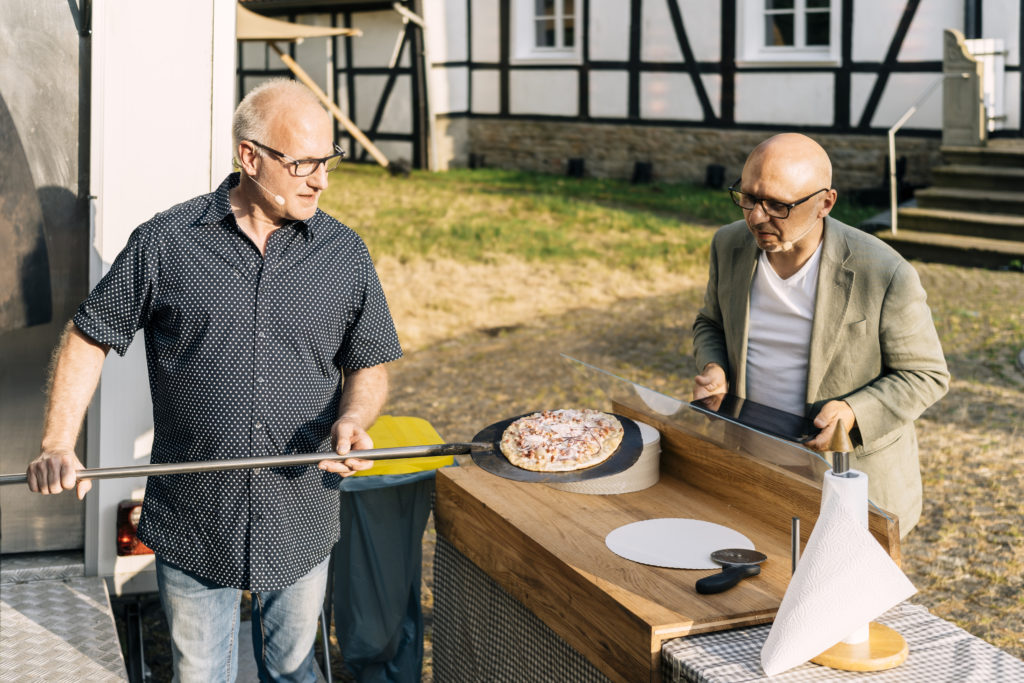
546, 547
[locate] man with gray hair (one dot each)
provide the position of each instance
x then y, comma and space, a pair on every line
266, 332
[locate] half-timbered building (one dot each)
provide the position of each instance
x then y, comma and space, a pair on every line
662, 87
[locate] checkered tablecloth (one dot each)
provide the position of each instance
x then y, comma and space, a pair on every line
483, 634
939, 651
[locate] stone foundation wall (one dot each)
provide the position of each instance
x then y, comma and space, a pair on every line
676, 154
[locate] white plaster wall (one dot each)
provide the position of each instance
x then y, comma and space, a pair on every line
901, 92
658, 42
808, 99
380, 33
160, 134
609, 30
874, 24
544, 92
713, 87
313, 54
672, 96
703, 22
486, 92
1012, 98
397, 116
860, 90
1001, 19
924, 39
609, 94
447, 30
486, 38
449, 89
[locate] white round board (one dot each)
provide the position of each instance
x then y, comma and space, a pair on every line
675, 543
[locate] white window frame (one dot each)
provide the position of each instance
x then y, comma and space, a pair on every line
751, 50
524, 47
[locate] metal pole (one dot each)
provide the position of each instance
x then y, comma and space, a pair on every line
265, 461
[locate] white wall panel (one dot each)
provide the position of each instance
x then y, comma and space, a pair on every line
397, 117
658, 42
1001, 19
380, 32
1012, 98
860, 91
313, 54
447, 30
449, 89
486, 92
486, 38
609, 94
254, 54
874, 24
544, 92
713, 87
901, 92
609, 30
807, 98
924, 39
703, 23
672, 96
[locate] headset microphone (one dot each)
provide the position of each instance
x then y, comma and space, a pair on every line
277, 198
788, 244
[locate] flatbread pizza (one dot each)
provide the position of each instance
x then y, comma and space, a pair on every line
561, 440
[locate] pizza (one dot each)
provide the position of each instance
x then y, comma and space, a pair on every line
561, 440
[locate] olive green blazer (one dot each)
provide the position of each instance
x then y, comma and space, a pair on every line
873, 345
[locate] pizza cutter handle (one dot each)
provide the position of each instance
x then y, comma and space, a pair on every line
727, 578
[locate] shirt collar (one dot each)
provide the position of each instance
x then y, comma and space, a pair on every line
219, 209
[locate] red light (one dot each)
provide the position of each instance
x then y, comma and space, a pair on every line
128, 514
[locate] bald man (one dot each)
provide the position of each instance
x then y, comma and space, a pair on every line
266, 333
821, 320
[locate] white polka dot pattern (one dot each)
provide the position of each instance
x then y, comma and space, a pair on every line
245, 356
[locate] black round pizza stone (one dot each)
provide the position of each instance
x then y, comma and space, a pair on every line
495, 462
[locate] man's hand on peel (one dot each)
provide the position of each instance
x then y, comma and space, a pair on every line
711, 382
54, 471
827, 419
348, 435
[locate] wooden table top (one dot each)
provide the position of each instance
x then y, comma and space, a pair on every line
546, 547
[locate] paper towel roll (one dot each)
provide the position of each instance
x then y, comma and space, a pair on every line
851, 488
844, 580
642, 474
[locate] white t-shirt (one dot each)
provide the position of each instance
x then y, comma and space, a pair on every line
781, 314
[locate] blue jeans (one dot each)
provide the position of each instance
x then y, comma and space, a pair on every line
203, 618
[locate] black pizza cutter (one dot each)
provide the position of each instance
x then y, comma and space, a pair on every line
737, 564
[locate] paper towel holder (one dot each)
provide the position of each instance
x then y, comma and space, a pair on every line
885, 648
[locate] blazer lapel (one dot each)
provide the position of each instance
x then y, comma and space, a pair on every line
744, 262
835, 287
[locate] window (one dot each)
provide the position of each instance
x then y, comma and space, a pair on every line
789, 31
546, 31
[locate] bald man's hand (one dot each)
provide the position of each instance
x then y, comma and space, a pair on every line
711, 382
827, 419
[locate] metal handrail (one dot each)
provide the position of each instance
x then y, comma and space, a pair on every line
892, 140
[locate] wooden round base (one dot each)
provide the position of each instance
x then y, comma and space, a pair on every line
884, 649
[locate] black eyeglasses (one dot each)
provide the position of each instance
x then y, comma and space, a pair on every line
772, 207
307, 167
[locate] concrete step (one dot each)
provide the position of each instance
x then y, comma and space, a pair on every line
996, 178
957, 250
967, 199
992, 155
970, 224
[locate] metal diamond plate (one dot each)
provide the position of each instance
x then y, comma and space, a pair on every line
59, 631
41, 566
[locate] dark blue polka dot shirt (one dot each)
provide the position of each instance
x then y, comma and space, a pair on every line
245, 355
